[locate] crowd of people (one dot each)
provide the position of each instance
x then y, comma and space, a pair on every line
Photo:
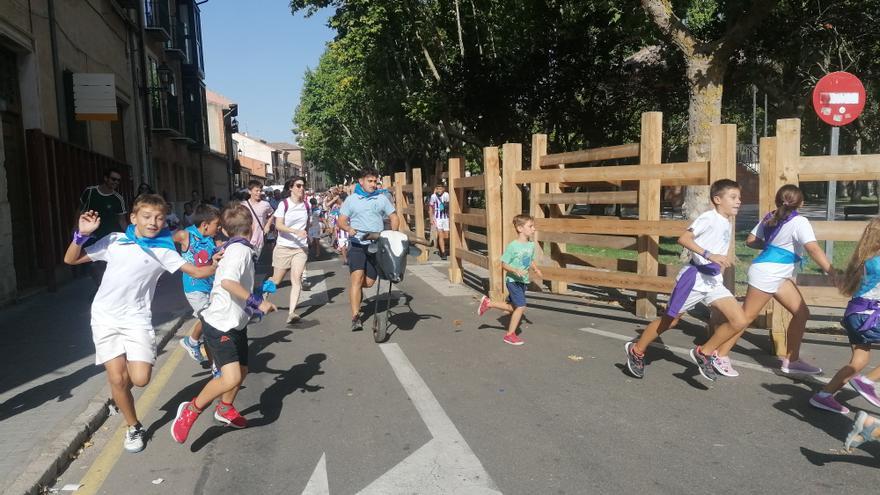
217, 251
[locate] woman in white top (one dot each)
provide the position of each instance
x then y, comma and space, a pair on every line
291, 249
783, 236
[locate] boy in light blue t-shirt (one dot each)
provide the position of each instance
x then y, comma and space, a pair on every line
518, 257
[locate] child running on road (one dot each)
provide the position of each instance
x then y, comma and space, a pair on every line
708, 240
861, 321
517, 259
122, 326
197, 246
783, 236
339, 234
225, 320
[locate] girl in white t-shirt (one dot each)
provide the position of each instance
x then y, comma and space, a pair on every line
783, 236
291, 249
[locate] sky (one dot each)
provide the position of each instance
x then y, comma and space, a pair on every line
256, 53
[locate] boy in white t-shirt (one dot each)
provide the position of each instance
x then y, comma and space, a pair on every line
438, 207
708, 240
224, 324
122, 326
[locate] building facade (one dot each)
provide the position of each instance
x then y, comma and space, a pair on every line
154, 128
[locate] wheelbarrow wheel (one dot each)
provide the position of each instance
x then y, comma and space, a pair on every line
380, 329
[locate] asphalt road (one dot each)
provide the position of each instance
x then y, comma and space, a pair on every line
446, 407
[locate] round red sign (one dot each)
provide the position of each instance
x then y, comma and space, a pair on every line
839, 98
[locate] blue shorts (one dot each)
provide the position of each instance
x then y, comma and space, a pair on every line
358, 260
866, 337
516, 293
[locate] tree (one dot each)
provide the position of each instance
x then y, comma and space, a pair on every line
707, 36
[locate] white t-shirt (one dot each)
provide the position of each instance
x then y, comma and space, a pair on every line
125, 297
438, 203
224, 311
296, 217
792, 237
711, 232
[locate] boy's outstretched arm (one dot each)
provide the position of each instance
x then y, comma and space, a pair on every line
688, 241
198, 271
88, 224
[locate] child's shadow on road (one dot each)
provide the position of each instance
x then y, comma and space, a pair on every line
272, 399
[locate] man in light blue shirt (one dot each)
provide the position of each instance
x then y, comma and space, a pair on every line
363, 211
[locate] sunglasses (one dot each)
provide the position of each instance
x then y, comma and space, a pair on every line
115, 179
298, 186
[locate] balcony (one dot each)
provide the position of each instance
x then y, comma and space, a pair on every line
157, 20
194, 113
166, 113
176, 44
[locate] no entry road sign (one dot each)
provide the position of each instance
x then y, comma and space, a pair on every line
839, 98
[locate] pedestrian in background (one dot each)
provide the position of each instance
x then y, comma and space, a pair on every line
438, 207
261, 211
109, 205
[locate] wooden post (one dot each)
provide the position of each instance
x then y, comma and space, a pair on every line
419, 207
494, 235
511, 194
650, 154
767, 185
722, 165
557, 250
400, 201
787, 161
539, 149
456, 233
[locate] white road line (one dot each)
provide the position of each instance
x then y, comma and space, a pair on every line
445, 464
686, 352
439, 282
318, 484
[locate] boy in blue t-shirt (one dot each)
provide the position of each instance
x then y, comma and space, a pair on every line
197, 246
518, 257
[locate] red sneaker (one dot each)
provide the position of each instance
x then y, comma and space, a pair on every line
484, 306
513, 340
230, 416
183, 422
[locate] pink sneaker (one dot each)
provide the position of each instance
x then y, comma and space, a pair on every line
799, 366
723, 366
484, 306
513, 340
828, 403
183, 421
865, 388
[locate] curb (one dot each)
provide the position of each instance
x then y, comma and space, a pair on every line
41, 473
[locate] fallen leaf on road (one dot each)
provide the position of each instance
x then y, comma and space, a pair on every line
576, 358
158, 481
457, 323
87, 445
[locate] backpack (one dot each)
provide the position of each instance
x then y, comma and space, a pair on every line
442, 206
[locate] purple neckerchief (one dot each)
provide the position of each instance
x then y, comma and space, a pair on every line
237, 240
859, 304
685, 285
770, 232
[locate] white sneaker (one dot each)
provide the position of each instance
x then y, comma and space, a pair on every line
134, 439
724, 367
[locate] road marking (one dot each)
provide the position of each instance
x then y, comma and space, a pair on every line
443, 465
100, 469
318, 484
439, 282
687, 353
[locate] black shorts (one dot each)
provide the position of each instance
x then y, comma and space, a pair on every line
358, 259
226, 347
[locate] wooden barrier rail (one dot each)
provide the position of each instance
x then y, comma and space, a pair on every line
410, 207
461, 216
782, 163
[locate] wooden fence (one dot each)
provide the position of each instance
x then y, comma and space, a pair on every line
462, 216
410, 206
553, 185
782, 163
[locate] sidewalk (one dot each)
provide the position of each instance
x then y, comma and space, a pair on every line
52, 396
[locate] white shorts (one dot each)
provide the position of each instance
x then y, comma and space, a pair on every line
443, 224
706, 297
198, 301
763, 281
135, 344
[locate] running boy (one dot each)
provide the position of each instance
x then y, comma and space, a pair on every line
708, 240
439, 211
197, 246
517, 259
122, 326
225, 326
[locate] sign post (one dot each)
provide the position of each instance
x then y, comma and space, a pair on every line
838, 99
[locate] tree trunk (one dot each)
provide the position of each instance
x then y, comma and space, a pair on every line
706, 84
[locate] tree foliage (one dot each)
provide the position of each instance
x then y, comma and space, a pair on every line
407, 82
